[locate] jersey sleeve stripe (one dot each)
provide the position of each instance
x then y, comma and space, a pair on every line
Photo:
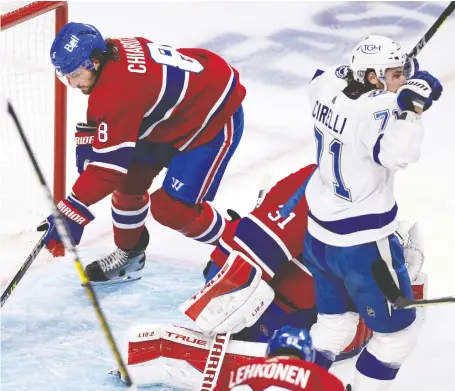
221, 156
108, 166
357, 223
253, 255
161, 94
115, 147
261, 243
224, 246
120, 158
217, 107
272, 235
377, 149
176, 85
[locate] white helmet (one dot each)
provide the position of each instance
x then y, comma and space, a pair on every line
378, 53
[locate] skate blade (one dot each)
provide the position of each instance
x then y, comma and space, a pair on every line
133, 276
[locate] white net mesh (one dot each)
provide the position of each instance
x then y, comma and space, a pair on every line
27, 80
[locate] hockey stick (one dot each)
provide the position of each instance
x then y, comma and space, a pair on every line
385, 282
28, 262
432, 30
298, 195
64, 233
218, 349
214, 362
404, 303
392, 292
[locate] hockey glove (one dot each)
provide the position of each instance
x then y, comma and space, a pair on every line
435, 84
77, 216
419, 91
414, 93
410, 68
85, 135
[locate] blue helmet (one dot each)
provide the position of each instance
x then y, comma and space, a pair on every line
291, 340
73, 46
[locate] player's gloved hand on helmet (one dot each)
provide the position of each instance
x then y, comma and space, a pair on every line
420, 91
77, 216
84, 137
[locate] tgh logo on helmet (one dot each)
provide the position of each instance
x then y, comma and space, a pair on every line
370, 48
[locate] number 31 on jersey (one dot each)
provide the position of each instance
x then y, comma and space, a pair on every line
278, 217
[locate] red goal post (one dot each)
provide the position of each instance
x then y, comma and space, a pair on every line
22, 14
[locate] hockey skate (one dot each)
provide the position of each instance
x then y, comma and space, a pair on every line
120, 265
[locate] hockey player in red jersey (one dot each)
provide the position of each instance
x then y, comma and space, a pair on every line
150, 106
256, 281
275, 245
288, 366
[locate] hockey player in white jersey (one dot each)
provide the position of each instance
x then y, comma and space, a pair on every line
367, 123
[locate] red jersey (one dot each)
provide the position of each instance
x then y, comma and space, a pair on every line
281, 373
157, 94
268, 239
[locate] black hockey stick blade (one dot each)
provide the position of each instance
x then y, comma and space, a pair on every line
28, 262
403, 303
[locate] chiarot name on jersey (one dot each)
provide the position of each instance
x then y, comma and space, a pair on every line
328, 118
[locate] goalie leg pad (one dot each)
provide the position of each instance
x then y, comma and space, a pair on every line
235, 298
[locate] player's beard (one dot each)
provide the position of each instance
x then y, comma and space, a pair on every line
86, 90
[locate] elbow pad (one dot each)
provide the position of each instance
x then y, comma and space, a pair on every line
400, 144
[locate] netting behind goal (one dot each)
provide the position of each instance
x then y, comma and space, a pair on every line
29, 83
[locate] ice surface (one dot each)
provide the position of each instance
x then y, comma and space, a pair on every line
50, 336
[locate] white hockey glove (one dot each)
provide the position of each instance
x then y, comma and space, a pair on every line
232, 300
411, 238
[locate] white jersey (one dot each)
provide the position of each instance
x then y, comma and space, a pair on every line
360, 145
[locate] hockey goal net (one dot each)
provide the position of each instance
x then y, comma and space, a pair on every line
29, 83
